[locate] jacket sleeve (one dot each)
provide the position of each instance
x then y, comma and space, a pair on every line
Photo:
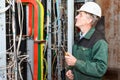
98, 65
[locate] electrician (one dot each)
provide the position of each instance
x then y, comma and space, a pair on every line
89, 58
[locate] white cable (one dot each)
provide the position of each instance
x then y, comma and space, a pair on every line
15, 67
20, 19
20, 64
9, 66
5, 9
7, 50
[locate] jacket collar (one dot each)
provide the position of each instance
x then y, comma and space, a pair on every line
89, 33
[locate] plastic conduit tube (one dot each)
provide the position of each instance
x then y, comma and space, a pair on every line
33, 2
40, 37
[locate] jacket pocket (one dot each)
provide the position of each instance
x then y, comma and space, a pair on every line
84, 53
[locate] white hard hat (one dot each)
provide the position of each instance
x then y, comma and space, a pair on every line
91, 7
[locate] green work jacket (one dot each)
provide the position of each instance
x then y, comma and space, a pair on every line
92, 56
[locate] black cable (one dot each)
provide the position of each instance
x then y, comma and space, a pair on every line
30, 69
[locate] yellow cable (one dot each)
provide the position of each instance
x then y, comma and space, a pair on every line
41, 36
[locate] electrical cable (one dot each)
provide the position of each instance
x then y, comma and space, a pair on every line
46, 64
47, 34
7, 50
9, 28
30, 69
14, 39
9, 66
54, 61
19, 66
16, 51
20, 19
5, 9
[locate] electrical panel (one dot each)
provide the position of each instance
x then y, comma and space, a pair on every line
23, 30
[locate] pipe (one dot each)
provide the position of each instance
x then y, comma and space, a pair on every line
35, 35
70, 9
